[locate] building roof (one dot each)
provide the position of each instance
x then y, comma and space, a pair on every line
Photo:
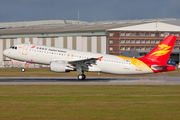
65, 28
42, 23
173, 22
154, 26
70, 26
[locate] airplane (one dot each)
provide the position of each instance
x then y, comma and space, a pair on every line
66, 60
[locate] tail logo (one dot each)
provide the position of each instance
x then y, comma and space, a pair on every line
163, 50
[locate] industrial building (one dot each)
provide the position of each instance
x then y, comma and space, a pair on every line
110, 37
143, 38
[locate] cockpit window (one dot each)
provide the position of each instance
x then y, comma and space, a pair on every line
13, 47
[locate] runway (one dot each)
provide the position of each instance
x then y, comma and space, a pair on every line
90, 81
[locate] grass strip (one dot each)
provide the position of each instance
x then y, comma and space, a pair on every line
90, 102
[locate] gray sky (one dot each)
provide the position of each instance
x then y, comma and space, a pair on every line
90, 10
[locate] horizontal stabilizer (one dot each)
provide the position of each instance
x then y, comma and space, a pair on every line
159, 67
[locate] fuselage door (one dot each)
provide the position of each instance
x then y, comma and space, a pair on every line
25, 49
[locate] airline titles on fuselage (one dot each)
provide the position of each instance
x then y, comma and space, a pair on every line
52, 50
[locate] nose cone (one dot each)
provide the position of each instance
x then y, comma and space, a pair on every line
5, 53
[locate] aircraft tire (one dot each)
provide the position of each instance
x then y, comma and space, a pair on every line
84, 76
81, 77
23, 69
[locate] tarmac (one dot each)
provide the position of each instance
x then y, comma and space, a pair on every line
90, 81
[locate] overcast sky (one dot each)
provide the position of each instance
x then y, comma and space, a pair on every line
89, 10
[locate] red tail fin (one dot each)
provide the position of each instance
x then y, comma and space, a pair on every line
162, 51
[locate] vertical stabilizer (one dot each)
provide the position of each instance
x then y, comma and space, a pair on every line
162, 51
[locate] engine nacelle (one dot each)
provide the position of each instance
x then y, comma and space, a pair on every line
58, 67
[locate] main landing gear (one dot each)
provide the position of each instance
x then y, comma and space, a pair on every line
81, 77
23, 69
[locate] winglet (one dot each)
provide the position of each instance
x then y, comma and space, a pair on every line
99, 58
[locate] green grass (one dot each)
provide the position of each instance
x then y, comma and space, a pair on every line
89, 102
45, 72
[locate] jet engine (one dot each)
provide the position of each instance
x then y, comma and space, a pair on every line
58, 67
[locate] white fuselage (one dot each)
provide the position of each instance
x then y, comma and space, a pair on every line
108, 64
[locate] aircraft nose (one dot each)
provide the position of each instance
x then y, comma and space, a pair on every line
5, 52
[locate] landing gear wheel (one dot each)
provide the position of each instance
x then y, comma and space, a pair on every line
23, 69
84, 76
81, 77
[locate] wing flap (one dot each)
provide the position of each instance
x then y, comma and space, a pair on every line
86, 63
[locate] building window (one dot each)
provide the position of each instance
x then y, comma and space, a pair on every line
132, 41
110, 48
162, 34
147, 34
122, 48
152, 34
127, 41
166, 34
142, 41
142, 48
132, 34
132, 48
157, 42
137, 48
127, 34
171, 33
147, 41
111, 34
176, 34
176, 48
127, 48
122, 34
147, 48
152, 47
110, 41
152, 42
177, 42
137, 41
157, 34
122, 41
137, 33
142, 34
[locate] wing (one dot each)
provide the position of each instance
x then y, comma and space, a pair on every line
83, 63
